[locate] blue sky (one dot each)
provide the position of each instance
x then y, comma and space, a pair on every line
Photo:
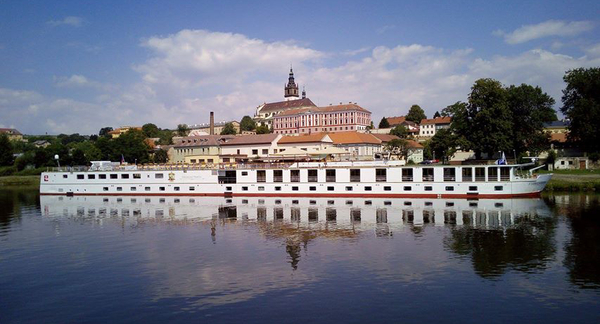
77, 66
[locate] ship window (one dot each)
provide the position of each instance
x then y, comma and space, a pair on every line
407, 174
176, 188
407, 203
226, 188
147, 188
479, 174
449, 188
277, 175
147, 200
277, 188
428, 174
498, 188
472, 188
133, 188
504, 174
192, 188
278, 202
312, 188
105, 188
380, 175
295, 175
313, 202
467, 175
449, 204
312, 176
261, 176
368, 202
330, 188
387, 188
407, 188
244, 201
161, 200
354, 175
161, 188
137, 176
158, 176
244, 188
428, 203
100, 176
244, 173
493, 174
176, 200
387, 203
80, 176
428, 188
261, 188
330, 175
91, 176
119, 188
114, 176
498, 205
294, 188
124, 176
66, 176
349, 202
449, 174
368, 188
261, 201
472, 204
330, 202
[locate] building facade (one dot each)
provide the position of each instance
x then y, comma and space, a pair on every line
198, 149
204, 129
308, 143
429, 127
12, 134
250, 146
339, 118
360, 146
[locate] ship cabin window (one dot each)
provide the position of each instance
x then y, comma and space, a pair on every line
427, 174
368, 203
407, 174
295, 175
380, 175
80, 177
428, 203
472, 188
261, 176
467, 174
158, 176
147, 200
162, 200
330, 202
449, 204
312, 188
498, 188
244, 188
277, 188
312, 202
450, 188
354, 175
161, 188
294, 188
428, 188
244, 173
407, 188
176, 188
91, 176
245, 201
472, 204
312, 176
387, 188
498, 205
493, 174
124, 176
176, 200
192, 188
105, 189
479, 174
66, 176
504, 174
114, 176
137, 176
119, 188
330, 175
407, 203
368, 188
449, 174
133, 189
277, 175
330, 188
261, 188
102, 176
349, 188
147, 188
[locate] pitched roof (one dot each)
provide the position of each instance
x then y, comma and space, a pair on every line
353, 138
285, 105
206, 140
413, 144
384, 138
393, 121
311, 138
252, 139
558, 137
438, 120
343, 107
10, 131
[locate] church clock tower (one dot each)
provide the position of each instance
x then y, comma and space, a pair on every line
291, 88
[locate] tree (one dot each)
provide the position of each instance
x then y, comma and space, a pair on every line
151, 130
104, 131
398, 147
6, 151
415, 114
182, 130
166, 137
106, 148
90, 151
263, 129
399, 131
443, 144
371, 126
161, 156
581, 104
131, 146
247, 124
228, 129
78, 157
384, 123
437, 115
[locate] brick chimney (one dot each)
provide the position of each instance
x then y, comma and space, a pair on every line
212, 123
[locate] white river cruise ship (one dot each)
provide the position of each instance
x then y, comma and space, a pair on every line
366, 179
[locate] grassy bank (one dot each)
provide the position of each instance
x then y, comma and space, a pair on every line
20, 181
574, 181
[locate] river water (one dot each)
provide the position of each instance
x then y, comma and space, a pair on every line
254, 260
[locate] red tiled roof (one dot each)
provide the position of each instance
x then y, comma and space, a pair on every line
393, 121
384, 138
413, 144
251, 139
558, 137
285, 105
353, 138
205, 140
343, 107
438, 120
316, 137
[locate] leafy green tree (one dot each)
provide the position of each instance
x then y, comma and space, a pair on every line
151, 130
24, 161
443, 144
106, 148
57, 148
104, 131
6, 151
416, 114
384, 123
161, 156
90, 151
166, 137
247, 124
78, 157
228, 129
398, 147
132, 146
263, 129
41, 158
182, 130
581, 104
399, 131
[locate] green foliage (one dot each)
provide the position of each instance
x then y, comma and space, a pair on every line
384, 123
25, 160
73, 138
581, 104
595, 156
7, 170
6, 151
247, 124
551, 157
132, 146
398, 147
90, 152
263, 129
399, 131
371, 126
104, 131
427, 152
410, 162
416, 114
160, 156
78, 157
182, 130
228, 129
437, 115
444, 144
166, 137
151, 130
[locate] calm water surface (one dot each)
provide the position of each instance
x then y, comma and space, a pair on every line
153, 259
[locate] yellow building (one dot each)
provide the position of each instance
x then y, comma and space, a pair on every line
13, 134
198, 149
121, 130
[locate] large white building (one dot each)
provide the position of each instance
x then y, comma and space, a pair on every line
338, 118
429, 127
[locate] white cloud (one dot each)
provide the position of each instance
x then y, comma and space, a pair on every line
80, 81
545, 29
356, 51
72, 21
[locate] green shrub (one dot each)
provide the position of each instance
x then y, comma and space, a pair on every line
7, 170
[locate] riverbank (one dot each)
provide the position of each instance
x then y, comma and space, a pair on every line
20, 181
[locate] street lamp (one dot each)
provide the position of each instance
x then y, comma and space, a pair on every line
57, 160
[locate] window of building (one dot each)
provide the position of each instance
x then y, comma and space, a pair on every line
330, 175
255, 152
380, 175
261, 176
265, 151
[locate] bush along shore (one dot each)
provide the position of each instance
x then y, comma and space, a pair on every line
20, 181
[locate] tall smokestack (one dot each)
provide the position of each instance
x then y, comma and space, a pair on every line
212, 123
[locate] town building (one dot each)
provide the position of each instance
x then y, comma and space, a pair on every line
414, 151
198, 149
338, 118
12, 134
122, 130
412, 127
557, 127
309, 143
204, 129
361, 146
249, 146
429, 127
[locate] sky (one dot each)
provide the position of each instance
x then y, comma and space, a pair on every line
77, 66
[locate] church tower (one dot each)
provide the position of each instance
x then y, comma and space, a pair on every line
291, 88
